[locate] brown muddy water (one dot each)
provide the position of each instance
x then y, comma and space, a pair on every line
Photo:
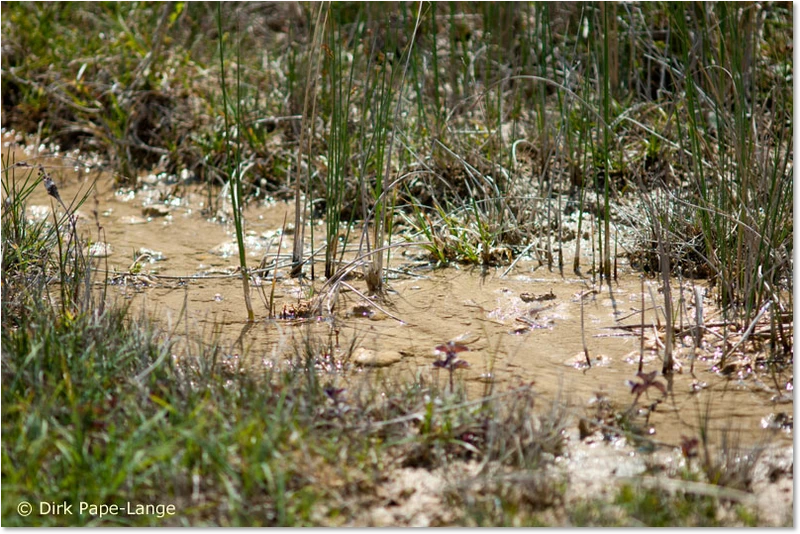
521, 328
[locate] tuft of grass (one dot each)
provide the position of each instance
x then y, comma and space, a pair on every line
340, 88
731, 465
233, 162
655, 508
26, 244
639, 506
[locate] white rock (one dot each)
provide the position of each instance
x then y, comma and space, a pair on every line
370, 358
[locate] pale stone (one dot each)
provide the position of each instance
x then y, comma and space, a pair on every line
132, 219
370, 358
100, 250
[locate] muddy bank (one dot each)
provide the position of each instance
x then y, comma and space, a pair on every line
168, 253
163, 250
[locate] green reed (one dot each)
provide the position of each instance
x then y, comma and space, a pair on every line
233, 162
339, 142
741, 151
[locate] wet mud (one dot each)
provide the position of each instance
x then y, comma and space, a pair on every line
164, 251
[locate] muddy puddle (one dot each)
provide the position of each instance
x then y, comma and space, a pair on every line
524, 327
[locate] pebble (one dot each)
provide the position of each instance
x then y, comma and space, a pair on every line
155, 210
132, 219
371, 358
100, 250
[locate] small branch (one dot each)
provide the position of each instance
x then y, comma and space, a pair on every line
747, 332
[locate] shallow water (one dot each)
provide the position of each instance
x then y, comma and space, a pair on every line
521, 328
